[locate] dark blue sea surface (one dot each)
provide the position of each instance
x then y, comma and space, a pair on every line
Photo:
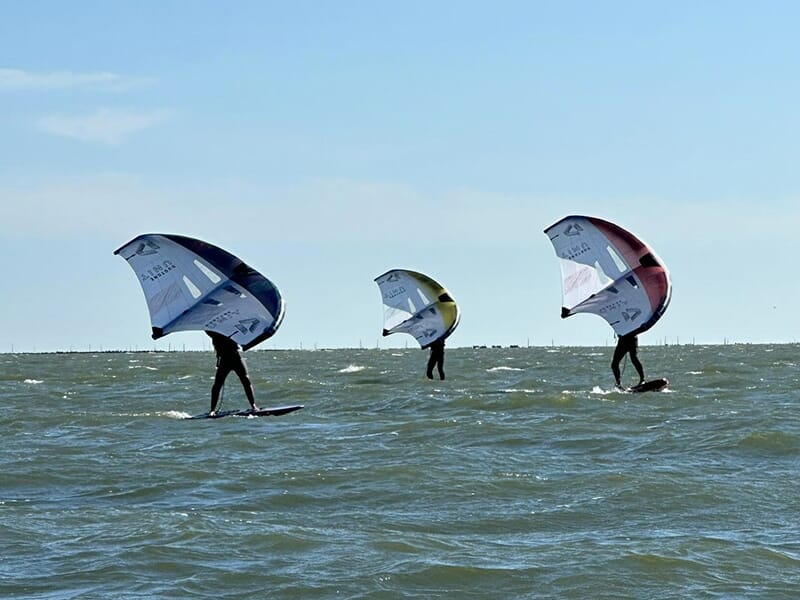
523, 475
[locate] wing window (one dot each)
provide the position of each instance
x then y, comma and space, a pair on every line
193, 289
617, 260
213, 277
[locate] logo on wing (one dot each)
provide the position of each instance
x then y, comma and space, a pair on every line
631, 314
573, 229
247, 325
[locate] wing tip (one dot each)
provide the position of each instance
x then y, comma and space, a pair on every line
565, 312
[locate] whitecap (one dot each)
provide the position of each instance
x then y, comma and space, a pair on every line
493, 369
34, 381
351, 369
598, 390
174, 414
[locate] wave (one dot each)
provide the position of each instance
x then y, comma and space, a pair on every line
351, 369
771, 442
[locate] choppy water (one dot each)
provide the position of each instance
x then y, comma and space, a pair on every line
518, 477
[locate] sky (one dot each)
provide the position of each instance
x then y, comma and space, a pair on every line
327, 142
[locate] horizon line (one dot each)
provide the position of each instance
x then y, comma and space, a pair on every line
170, 350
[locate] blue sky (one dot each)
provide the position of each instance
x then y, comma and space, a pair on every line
327, 142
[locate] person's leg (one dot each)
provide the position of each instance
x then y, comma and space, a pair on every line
219, 381
635, 361
241, 370
440, 364
431, 363
619, 352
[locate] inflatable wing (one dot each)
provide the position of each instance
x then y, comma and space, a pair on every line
191, 285
608, 271
416, 304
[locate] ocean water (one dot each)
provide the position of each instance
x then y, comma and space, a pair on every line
523, 475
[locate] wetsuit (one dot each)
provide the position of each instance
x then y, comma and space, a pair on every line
626, 344
228, 359
436, 359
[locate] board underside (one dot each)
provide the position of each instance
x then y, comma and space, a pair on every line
274, 411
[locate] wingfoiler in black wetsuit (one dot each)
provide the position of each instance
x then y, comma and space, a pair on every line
436, 359
626, 344
229, 359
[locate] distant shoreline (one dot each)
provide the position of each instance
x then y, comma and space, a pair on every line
395, 349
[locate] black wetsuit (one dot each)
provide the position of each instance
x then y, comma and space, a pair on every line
626, 344
228, 359
436, 359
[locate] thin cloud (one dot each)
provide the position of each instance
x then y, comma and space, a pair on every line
19, 80
104, 126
